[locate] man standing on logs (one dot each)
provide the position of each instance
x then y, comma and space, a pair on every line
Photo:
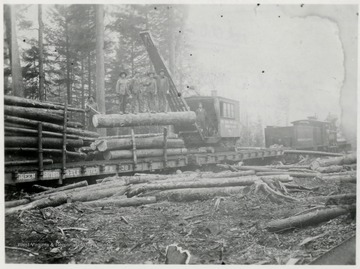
163, 90
122, 90
91, 110
135, 90
143, 107
151, 91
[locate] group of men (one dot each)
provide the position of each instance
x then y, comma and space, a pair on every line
142, 93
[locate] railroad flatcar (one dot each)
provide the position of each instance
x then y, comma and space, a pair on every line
307, 134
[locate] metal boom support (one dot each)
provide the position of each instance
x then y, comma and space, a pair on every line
176, 101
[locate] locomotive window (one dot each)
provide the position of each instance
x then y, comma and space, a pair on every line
227, 110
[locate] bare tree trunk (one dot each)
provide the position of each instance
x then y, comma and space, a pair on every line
132, 59
41, 55
82, 83
89, 73
100, 69
17, 83
68, 89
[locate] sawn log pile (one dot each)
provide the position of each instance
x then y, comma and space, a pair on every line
27, 122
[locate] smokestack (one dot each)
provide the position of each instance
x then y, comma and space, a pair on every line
214, 93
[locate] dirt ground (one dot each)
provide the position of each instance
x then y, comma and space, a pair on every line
234, 234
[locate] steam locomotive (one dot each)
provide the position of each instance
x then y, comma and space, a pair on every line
307, 134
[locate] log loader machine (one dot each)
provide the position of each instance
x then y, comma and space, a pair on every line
222, 121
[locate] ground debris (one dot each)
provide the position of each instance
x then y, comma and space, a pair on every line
221, 229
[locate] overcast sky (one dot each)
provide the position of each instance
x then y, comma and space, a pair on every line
270, 61
266, 57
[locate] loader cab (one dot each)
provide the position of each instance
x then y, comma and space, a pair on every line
222, 118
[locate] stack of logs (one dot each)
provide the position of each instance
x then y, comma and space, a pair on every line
33, 127
136, 146
139, 145
342, 168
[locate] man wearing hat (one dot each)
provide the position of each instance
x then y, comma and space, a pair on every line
136, 92
163, 90
122, 90
151, 91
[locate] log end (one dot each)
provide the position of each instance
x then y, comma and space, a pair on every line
95, 121
107, 155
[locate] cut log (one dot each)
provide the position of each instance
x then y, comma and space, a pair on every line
141, 143
188, 195
143, 119
27, 162
50, 126
209, 183
45, 194
26, 141
72, 154
142, 153
111, 202
293, 174
41, 188
55, 200
329, 169
226, 174
63, 188
15, 125
310, 152
350, 178
305, 220
288, 167
32, 132
62, 197
148, 178
257, 168
341, 199
14, 203
34, 113
74, 124
337, 174
18, 101
347, 159
170, 136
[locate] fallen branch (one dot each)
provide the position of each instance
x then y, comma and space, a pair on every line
23, 249
63, 188
73, 228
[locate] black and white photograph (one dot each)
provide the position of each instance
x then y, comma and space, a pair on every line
168, 132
